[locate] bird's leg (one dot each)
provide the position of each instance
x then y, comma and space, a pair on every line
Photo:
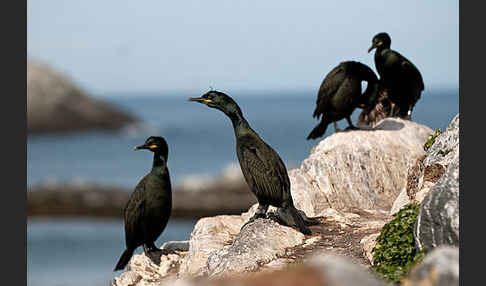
351, 126
154, 253
150, 247
260, 213
274, 216
336, 128
392, 110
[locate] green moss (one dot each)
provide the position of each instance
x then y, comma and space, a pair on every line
431, 139
395, 251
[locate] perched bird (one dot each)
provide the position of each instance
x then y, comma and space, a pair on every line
264, 171
340, 94
149, 206
401, 79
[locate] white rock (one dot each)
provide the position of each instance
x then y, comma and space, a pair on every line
209, 234
363, 169
257, 244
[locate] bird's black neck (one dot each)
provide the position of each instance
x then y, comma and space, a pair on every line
159, 163
240, 125
381, 49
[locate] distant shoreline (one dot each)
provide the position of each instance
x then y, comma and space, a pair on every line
64, 200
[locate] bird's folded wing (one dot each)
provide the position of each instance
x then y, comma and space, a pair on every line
134, 210
328, 88
266, 171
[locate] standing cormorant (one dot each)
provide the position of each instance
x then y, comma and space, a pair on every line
340, 94
264, 171
399, 76
148, 209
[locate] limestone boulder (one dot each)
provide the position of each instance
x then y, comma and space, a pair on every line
440, 267
438, 220
141, 271
209, 235
364, 169
427, 170
258, 243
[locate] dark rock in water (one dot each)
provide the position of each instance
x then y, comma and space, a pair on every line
56, 104
74, 200
438, 220
438, 268
221, 195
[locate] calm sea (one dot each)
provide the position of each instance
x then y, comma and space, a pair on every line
82, 251
201, 140
73, 251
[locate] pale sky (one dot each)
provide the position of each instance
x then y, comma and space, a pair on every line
129, 46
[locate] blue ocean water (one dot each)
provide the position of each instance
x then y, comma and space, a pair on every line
201, 140
83, 251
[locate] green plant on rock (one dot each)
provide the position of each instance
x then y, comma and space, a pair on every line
395, 251
431, 139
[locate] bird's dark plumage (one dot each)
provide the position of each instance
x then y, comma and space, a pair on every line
149, 206
340, 93
262, 168
399, 77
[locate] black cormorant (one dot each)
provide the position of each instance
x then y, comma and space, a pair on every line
340, 94
262, 168
401, 79
148, 209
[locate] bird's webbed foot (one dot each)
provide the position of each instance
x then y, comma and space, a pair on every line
252, 219
273, 216
154, 253
352, 127
260, 213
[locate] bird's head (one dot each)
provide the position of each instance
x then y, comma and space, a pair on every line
380, 41
155, 144
218, 100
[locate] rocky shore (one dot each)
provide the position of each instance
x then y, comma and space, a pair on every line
194, 198
356, 184
56, 104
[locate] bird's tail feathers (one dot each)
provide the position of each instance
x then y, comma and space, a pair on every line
124, 259
319, 130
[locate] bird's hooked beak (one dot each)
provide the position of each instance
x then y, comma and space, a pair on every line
375, 45
146, 146
200, 100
